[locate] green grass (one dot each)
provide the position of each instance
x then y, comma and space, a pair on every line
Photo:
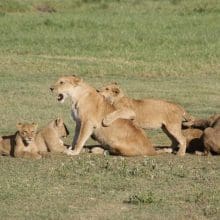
153, 48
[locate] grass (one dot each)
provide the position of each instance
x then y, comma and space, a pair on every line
161, 49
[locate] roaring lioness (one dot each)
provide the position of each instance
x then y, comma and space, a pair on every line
22, 143
88, 110
147, 114
48, 139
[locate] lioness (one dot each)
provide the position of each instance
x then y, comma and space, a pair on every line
88, 110
211, 137
22, 143
147, 114
48, 139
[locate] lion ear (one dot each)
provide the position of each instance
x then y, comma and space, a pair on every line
75, 80
116, 90
58, 121
114, 83
213, 119
19, 126
35, 125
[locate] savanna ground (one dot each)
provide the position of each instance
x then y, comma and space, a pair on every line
166, 49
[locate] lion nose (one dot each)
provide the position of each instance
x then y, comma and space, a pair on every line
51, 89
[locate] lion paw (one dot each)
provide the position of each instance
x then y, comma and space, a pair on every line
188, 124
71, 152
97, 150
181, 153
107, 121
37, 157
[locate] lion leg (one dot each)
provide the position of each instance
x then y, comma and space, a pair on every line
145, 152
164, 151
188, 124
28, 155
174, 142
205, 153
199, 123
56, 146
59, 147
122, 113
207, 141
76, 135
99, 150
86, 130
176, 132
129, 151
43, 153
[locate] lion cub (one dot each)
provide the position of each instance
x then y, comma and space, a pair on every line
147, 113
48, 139
22, 143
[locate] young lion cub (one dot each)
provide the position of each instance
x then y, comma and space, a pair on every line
147, 113
48, 139
22, 143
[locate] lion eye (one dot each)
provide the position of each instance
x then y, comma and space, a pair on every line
107, 89
61, 82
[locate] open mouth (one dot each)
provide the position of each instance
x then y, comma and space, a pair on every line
27, 142
60, 97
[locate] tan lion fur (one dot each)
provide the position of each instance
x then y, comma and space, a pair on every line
194, 140
211, 132
22, 143
88, 110
147, 114
211, 137
202, 123
48, 139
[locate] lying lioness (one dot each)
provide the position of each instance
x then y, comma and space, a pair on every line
48, 139
147, 113
22, 143
88, 110
211, 137
211, 132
